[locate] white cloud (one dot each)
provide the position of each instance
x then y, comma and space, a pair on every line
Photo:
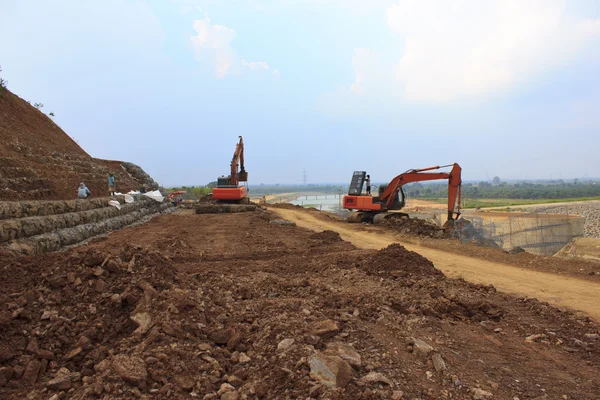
255, 65
367, 66
212, 44
217, 39
471, 48
358, 7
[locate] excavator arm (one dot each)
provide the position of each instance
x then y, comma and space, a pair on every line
236, 162
390, 194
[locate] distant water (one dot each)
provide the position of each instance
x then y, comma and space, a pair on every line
329, 202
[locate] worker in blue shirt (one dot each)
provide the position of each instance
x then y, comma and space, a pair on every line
83, 192
111, 185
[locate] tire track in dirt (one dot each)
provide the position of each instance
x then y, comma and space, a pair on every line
556, 289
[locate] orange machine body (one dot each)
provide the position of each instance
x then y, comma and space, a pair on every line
229, 194
363, 203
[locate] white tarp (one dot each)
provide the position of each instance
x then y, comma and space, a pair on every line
155, 195
115, 203
128, 197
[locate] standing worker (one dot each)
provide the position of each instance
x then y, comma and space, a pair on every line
111, 185
83, 192
368, 182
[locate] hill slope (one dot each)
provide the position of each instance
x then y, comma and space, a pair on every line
38, 160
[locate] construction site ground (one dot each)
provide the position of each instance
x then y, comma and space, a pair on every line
563, 282
234, 306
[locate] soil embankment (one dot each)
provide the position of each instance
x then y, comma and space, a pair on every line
41, 162
231, 306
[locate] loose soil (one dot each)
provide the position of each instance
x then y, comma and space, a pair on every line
41, 162
192, 305
469, 262
414, 226
423, 236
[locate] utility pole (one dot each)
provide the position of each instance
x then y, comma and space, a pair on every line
304, 176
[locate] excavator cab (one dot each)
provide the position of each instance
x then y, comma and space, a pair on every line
357, 182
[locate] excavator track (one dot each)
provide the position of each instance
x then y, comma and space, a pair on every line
372, 217
360, 217
388, 216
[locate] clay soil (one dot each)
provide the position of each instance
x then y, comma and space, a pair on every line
39, 161
192, 305
422, 233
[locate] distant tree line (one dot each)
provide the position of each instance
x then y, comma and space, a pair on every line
523, 190
196, 191
556, 189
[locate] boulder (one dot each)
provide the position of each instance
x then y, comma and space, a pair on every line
438, 362
285, 344
131, 369
32, 371
330, 370
346, 352
420, 348
325, 329
376, 377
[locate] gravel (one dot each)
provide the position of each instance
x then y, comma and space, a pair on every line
590, 212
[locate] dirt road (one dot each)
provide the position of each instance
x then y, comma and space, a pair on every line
556, 289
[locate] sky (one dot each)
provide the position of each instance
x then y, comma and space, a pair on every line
505, 88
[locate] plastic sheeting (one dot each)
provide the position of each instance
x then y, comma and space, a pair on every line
155, 195
115, 203
128, 197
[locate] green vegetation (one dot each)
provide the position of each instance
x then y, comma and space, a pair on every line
490, 195
2, 83
194, 191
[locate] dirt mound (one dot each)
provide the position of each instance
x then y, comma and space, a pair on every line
41, 162
289, 206
416, 226
326, 236
224, 208
271, 317
396, 261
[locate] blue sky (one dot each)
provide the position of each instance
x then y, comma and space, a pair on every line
505, 88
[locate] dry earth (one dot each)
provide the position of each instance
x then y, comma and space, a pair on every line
232, 306
39, 161
577, 291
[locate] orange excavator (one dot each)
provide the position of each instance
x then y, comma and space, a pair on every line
228, 188
392, 196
